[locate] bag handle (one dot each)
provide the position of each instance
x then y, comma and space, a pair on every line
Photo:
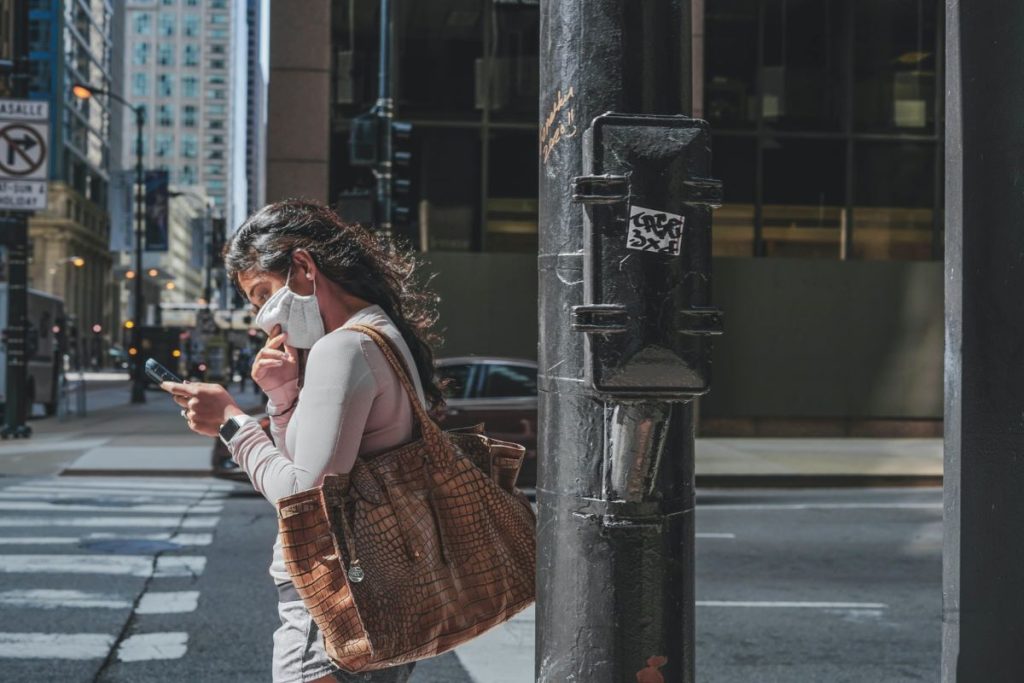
429, 429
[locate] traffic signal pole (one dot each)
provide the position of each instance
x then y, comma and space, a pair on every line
983, 509
15, 237
624, 268
385, 110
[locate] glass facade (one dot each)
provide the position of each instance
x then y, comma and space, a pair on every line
827, 127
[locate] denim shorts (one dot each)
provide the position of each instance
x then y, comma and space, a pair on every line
299, 654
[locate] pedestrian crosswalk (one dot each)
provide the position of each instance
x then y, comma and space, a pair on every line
125, 547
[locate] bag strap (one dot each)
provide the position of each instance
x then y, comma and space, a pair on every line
429, 429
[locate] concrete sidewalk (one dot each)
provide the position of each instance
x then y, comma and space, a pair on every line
121, 437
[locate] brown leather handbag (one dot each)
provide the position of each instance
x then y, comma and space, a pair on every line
417, 549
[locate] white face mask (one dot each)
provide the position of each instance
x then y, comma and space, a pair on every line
297, 315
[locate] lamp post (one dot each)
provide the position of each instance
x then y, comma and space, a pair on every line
84, 92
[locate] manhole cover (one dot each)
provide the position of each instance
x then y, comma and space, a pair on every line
130, 546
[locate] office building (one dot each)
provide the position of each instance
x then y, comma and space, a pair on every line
827, 129
69, 257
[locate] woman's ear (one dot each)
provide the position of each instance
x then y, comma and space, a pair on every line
306, 268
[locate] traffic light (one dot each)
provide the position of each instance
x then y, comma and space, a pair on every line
404, 188
364, 141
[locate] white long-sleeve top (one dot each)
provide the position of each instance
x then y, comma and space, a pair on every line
351, 403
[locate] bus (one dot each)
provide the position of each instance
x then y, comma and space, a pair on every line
44, 364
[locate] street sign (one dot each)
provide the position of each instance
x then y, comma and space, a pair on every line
24, 136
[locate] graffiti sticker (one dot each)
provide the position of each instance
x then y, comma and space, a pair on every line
656, 231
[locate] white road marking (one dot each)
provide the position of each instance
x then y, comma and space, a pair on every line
52, 599
136, 485
799, 605
180, 539
62, 493
121, 565
821, 506
55, 645
33, 506
148, 646
114, 522
170, 602
711, 535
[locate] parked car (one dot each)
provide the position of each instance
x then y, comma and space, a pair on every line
501, 393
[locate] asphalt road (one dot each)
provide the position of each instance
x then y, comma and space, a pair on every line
826, 585
158, 579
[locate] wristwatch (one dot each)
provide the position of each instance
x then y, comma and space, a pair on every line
230, 427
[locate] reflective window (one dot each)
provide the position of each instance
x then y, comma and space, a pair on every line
165, 85
190, 56
190, 86
143, 22
507, 381
165, 55
140, 54
895, 65
189, 146
140, 85
190, 25
166, 24
188, 116
730, 85
163, 144
165, 115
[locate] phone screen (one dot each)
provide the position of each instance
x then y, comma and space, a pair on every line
158, 373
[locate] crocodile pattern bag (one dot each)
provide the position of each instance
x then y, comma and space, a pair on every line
417, 549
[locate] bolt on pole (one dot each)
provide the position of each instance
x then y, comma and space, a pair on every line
625, 327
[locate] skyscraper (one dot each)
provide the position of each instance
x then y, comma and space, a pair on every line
69, 42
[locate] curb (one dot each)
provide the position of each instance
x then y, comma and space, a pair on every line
138, 473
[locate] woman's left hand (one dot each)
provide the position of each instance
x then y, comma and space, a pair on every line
206, 406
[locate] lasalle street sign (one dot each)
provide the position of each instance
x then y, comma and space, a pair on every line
24, 154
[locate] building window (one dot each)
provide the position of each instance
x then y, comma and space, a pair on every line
188, 116
165, 55
163, 144
187, 175
217, 124
190, 86
165, 115
190, 25
166, 26
218, 49
143, 20
140, 85
214, 169
215, 154
140, 55
217, 33
191, 57
189, 146
217, 94
217, 64
215, 139
825, 134
165, 85
192, 3
216, 110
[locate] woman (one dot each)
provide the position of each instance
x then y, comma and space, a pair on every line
332, 395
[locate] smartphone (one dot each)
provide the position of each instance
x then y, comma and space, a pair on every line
159, 373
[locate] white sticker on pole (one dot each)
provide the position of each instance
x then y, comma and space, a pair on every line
655, 231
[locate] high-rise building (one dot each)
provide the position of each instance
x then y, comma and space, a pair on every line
255, 103
190, 64
69, 256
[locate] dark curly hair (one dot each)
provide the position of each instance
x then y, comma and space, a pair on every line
367, 265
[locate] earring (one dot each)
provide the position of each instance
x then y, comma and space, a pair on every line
309, 276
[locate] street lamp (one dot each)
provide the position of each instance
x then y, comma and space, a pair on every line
84, 92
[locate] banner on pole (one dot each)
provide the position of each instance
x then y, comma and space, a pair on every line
157, 196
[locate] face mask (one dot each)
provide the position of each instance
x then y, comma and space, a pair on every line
297, 315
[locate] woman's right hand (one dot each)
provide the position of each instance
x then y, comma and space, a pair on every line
275, 364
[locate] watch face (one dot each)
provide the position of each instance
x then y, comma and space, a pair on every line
228, 430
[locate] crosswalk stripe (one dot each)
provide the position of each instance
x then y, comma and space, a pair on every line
54, 493
180, 539
137, 485
148, 646
122, 565
168, 602
113, 522
33, 506
51, 599
55, 645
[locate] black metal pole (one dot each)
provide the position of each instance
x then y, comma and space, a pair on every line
16, 408
983, 555
385, 110
621, 352
138, 376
